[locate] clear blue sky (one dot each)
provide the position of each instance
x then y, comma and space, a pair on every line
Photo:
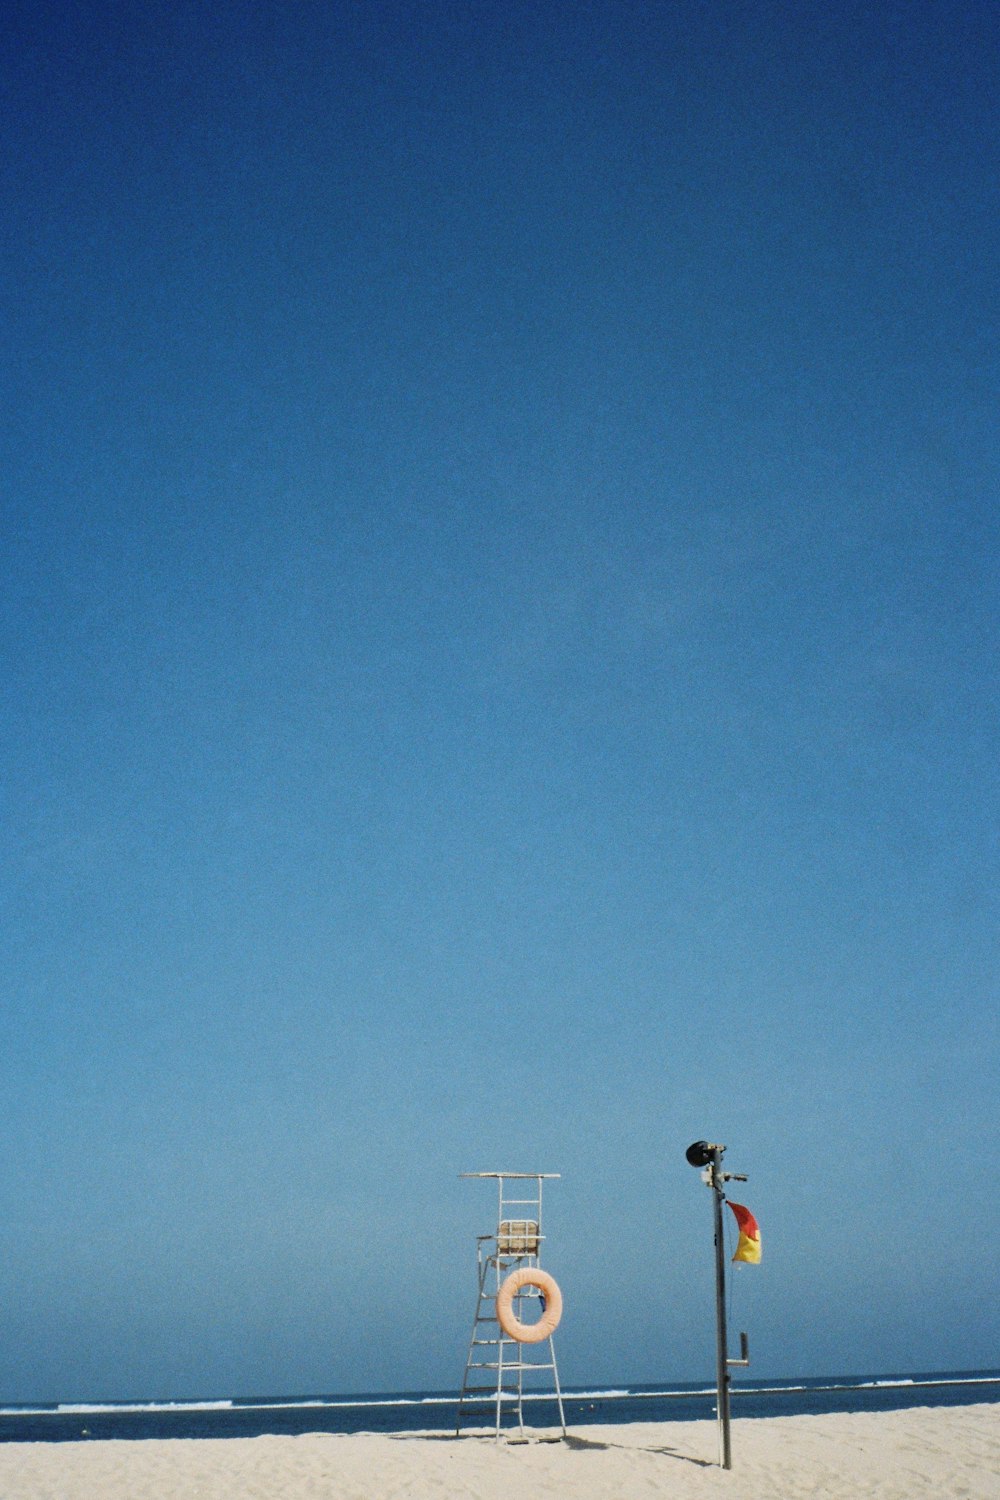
498, 612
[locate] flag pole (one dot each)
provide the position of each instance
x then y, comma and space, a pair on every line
717, 1184
707, 1155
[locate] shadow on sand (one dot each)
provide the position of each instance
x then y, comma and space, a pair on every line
578, 1444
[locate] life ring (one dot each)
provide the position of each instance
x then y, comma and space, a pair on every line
529, 1333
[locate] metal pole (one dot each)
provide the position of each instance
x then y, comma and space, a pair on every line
721, 1346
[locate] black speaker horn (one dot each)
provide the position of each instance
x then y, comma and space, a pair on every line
700, 1153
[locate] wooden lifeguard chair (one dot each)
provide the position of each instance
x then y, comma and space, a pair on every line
498, 1365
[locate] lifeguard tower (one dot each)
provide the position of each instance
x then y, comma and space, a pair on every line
505, 1350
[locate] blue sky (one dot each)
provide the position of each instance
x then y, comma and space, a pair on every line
498, 603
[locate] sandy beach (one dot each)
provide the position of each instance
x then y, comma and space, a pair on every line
905, 1455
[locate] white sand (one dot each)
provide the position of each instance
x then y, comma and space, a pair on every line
921, 1454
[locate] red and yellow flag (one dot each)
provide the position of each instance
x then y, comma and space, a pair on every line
748, 1247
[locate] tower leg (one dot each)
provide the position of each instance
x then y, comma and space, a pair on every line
555, 1380
481, 1297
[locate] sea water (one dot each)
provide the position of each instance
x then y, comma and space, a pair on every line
415, 1411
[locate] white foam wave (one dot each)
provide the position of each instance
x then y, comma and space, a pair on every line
663, 1395
112, 1408
611, 1395
75, 1409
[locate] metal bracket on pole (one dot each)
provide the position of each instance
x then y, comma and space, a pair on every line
744, 1358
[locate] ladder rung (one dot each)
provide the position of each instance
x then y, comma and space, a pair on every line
486, 1392
512, 1365
496, 1364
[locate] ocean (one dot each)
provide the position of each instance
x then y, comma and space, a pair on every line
414, 1411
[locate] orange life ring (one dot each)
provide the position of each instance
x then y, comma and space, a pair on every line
529, 1333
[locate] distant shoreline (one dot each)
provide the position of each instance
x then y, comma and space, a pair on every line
577, 1393
402, 1412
